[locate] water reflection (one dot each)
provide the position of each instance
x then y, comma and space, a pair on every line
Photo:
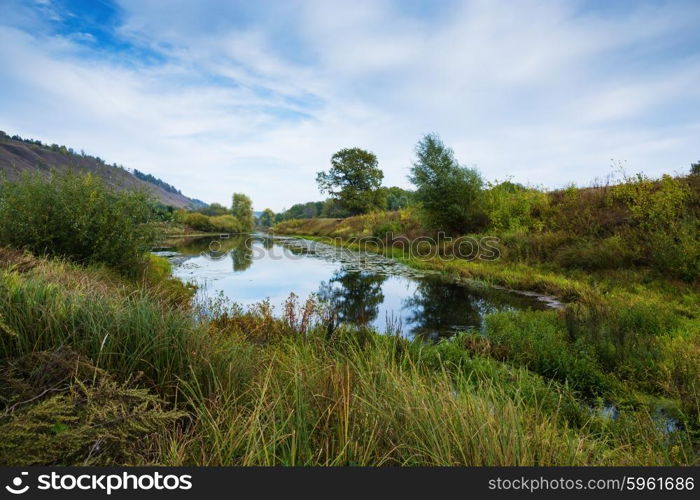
238, 248
241, 254
365, 291
438, 306
354, 296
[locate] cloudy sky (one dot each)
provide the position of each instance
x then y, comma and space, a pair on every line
223, 96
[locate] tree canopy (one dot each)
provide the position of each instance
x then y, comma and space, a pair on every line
266, 218
242, 209
448, 193
354, 180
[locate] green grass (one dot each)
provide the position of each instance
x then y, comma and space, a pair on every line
245, 388
631, 336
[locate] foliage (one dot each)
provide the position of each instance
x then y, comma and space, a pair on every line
221, 223
267, 218
513, 207
666, 233
695, 168
354, 180
450, 195
214, 209
397, 198
653, 205
78, 218
242, 209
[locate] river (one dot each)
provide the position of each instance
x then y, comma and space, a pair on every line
363, 288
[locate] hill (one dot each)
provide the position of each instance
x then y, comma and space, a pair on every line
18, 155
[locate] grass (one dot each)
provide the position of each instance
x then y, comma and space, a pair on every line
245, 388
630, 335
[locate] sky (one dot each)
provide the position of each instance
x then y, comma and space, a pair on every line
217, 97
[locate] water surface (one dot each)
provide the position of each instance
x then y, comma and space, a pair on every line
363, 288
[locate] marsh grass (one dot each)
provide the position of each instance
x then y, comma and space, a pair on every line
249, 388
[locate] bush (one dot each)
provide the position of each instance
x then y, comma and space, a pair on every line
608, 253
79, 218
540, 341
201, 222
226, 223
512, 207
197, 221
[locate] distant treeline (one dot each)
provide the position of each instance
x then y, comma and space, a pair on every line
57, 148
390, 198
158, 182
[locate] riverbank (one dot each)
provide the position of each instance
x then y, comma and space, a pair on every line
82, 347
630, 336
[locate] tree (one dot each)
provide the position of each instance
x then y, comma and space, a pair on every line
266, 218
242, 209
354, 180
695, 168
449, 194
213, 209
397, 198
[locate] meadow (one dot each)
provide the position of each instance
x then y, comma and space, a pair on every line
104, 361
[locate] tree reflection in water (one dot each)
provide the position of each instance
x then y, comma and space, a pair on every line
438, 307
355, 296
241, 253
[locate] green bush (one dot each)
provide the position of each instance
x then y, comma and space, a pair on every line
222, 223
79, 218
512, 207
226, 223
197, 221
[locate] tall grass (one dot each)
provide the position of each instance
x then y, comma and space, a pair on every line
308, 403
257, 390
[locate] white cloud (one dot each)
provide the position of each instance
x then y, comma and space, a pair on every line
258, 100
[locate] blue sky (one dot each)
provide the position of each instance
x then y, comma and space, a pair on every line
223, 96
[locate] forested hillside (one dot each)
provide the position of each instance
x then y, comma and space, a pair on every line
18, 155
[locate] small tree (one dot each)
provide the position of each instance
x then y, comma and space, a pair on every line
266, 218
242, 209
449, 194
695, 168
354, 180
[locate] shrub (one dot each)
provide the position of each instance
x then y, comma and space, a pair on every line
201, 222
608, 253
197, 221
79, 218
653, 204
539, 341
226, 223
512, 207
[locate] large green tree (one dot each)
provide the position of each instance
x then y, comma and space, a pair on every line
242, 209
354, 180
450, 195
